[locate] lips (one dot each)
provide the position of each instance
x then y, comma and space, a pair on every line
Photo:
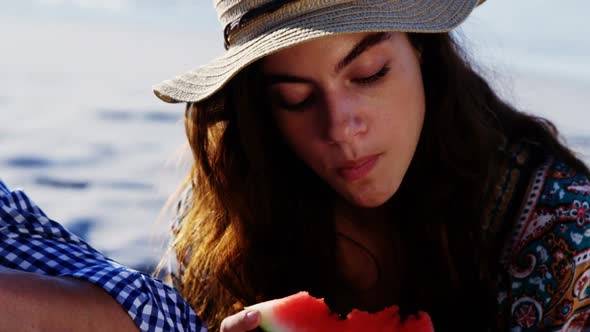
358, 169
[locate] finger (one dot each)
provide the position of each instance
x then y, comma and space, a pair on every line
243, 321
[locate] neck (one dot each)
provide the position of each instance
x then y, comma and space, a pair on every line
363, 215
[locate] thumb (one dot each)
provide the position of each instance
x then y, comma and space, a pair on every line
246, 320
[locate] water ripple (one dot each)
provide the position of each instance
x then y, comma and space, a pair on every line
130, 185
115, 115
29, 162
82, 226
62, 183
160, 116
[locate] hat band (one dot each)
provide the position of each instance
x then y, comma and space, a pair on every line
267, 8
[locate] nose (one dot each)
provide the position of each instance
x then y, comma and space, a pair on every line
345, 120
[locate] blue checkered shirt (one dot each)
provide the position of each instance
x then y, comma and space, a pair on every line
30, 241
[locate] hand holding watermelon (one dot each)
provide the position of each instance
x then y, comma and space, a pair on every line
243, 321
302, 312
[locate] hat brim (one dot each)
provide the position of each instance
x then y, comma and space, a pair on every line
427, 16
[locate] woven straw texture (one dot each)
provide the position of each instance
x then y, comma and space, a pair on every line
301, 21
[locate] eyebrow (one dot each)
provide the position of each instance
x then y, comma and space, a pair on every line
362, 46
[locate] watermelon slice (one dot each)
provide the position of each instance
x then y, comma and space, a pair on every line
302, 312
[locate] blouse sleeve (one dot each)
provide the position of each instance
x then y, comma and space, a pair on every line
549, 259
30, 241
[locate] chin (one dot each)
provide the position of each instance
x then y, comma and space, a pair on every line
373, 197
369, 200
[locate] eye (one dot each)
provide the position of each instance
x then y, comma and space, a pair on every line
373, 78
298, 107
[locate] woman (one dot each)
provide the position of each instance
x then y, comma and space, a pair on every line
341, 150
348, 149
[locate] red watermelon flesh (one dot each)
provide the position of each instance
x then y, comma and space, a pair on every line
302, 312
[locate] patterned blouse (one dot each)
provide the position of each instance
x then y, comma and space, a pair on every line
545, 281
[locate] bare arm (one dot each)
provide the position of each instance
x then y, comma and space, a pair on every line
34, 302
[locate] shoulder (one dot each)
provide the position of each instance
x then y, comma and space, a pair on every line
557, 200
549, 257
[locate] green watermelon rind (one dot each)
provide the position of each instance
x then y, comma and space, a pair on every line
268, 322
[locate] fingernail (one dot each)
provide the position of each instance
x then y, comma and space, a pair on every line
252, 316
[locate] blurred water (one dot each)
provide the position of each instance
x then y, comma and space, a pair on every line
82, 133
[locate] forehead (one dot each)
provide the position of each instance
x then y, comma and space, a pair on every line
314, 50
336, 51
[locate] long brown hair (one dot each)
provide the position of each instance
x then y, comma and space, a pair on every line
260, 226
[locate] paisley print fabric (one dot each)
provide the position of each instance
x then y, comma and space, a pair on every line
547, 260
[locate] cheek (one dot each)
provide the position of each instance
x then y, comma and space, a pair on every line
397, 123
402, 114
402, 122
300, 133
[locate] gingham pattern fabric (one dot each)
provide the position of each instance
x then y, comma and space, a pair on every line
30, 241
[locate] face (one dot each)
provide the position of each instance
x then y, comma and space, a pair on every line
351, 107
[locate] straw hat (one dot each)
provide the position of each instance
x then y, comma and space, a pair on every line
256, 28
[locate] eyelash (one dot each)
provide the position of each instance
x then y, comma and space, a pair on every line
373, 78
363, 81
